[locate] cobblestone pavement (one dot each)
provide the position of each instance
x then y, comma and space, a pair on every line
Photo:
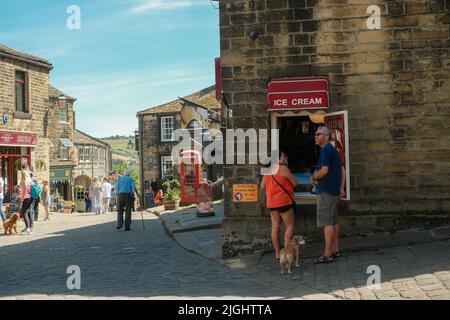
407, 272
115, 264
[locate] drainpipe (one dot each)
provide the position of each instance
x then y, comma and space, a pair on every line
141, 157
92, 162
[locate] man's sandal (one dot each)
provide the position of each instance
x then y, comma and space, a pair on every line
323, 259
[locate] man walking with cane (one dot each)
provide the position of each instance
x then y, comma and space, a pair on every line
124, 190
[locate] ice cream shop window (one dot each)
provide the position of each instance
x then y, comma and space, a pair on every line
297, 107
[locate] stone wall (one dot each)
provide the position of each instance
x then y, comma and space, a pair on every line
99, 168
38, 94
394, 82
57, 130
153, 149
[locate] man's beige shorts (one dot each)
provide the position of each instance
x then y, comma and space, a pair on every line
327, 209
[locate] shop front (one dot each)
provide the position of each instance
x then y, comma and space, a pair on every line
298, 106
61, 184
82, 184
15, 149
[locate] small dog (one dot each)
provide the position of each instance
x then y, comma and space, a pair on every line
11, 224
289, 252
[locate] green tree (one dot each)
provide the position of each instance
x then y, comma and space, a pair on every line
134, 171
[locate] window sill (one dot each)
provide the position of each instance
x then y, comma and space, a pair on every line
22, 115
64, 122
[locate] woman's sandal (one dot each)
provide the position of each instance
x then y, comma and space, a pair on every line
336, 255
323, 259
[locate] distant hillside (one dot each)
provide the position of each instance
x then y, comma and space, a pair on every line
119, 138
120, 149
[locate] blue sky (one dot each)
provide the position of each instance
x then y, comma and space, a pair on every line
129, 55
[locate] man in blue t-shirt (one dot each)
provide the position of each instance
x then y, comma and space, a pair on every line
330, 187
125, 188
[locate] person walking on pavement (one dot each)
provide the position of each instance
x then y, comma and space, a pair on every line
125, 187
25, 198
329, 187
36, 195
87, 199
45, 199
2, 186
106, 195
97, 202
280, 201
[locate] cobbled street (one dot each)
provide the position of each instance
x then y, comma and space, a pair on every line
114, 264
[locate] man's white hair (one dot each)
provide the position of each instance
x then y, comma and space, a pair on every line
126, 172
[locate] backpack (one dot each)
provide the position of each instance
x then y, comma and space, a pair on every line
35, 191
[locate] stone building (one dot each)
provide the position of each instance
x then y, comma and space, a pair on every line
199, 110
24, 98
393, 82
60, 131
94, 160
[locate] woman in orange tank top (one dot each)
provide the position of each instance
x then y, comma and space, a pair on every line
280, 202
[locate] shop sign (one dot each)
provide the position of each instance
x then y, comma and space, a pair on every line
298, 93
18, 139
62, 174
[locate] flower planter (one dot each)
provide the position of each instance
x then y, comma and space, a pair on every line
171, 204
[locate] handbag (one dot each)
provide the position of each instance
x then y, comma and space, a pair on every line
294, 204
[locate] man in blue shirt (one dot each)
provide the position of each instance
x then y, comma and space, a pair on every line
125, 186
329, 187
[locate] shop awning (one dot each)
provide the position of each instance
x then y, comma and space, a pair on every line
310, 93
66, 142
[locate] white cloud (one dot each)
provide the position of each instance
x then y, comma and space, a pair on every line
108, 102
160, 5
154, 5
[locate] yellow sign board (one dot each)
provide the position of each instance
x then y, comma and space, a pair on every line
245, 193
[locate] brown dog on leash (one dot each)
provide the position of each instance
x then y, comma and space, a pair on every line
11, 224
289, 252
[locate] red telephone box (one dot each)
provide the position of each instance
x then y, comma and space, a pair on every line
190, 172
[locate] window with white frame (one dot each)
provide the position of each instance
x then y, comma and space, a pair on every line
63, 152
166, 167
80, 154
87, 154
95, 155
102, 155
167, 128
63, 114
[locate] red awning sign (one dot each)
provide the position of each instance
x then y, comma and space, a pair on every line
298, 93
18, 139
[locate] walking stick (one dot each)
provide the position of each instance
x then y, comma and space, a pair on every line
142, 215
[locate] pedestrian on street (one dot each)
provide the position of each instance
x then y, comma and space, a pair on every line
280, 201
87, 199
159, 197
106, 195
97, 202
125, 187
36, 195
112, 200
25, 198
45, 198
2, 186
329, 187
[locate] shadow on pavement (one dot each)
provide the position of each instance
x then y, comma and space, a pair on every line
140, 263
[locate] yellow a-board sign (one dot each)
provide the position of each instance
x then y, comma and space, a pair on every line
245, 193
